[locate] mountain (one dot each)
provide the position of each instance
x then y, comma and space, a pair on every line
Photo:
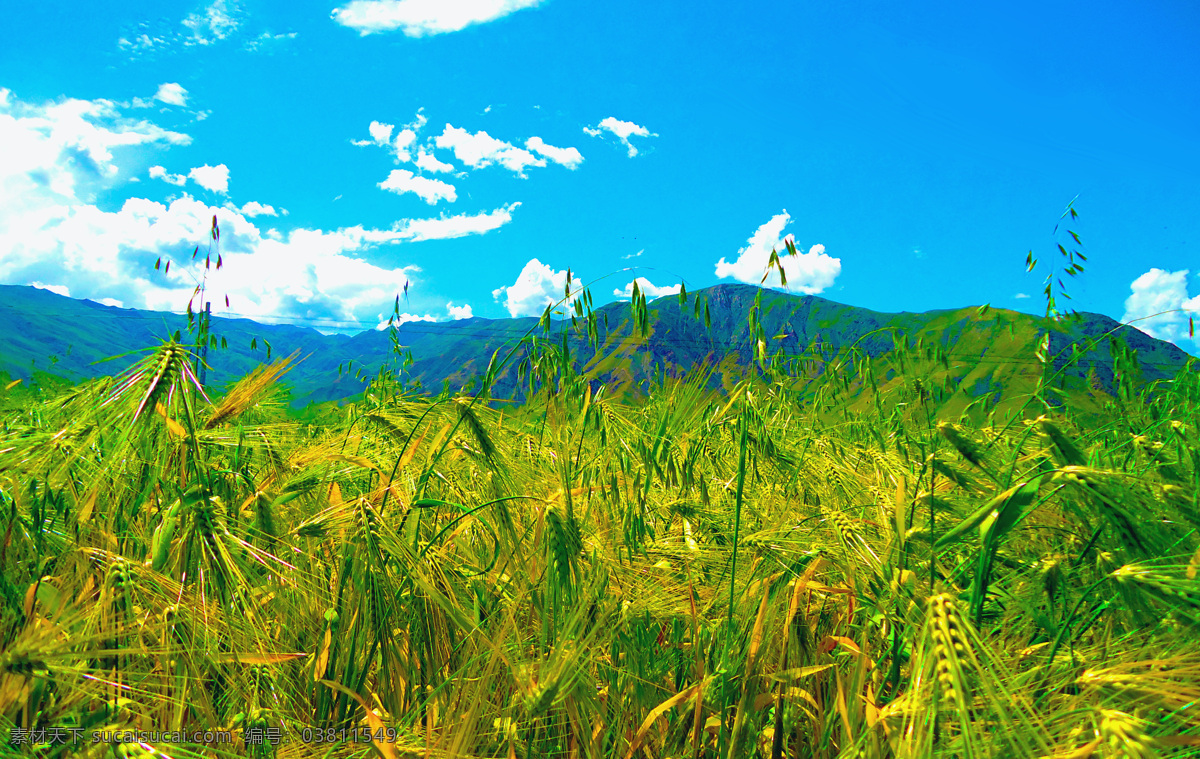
979, 350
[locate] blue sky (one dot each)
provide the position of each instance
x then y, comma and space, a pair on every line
477, 149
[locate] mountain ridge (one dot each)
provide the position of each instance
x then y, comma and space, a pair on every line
43, 331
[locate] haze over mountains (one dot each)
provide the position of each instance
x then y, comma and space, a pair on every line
41, 331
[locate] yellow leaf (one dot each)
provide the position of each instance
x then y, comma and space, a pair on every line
412, 451
356, 460
175, 428
797, 673
85, 513
658, 711
13, 384
386, 750
323, 656
257, 658
30, 598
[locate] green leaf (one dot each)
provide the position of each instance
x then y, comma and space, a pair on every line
977, 518
1007, 513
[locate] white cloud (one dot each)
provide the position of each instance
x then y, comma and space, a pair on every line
446, 228
459, 312
61, 152
481, 149
111, 302
213, 23
647, 288
400, 146
569, 157
171, 94
380, 133
254, 208
1020, 296
60, 156
56, 289
810, 272
429, 190
633, 255
212, 178
429, 162
1159, 305
623, 130
537, 286
267, 41
405, 318
158, 172
141, 43
420, 18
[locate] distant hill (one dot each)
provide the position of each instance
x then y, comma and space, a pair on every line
980, 352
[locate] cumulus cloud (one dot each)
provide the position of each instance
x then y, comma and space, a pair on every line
810, 272
62, 290
211, 178
569, 157
212, 23
429, 162
622, 130
158, 172
59, 158
429, 190
381, 133
537, 286
171, 94
400, 146
459, 312
405, 318
1159, 305
453, 313
647, 288
254, 208
64, 151
421, 18
481, 149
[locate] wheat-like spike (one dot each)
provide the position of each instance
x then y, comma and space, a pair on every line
951, 647
1093, 481
842, 523
248, 391
1065, 450
966, 448
538, 701
478, 431
1126, 735
1178, 591
564, 542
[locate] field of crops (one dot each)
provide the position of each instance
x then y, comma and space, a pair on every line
772, 569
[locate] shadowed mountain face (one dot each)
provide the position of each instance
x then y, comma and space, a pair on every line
979, 352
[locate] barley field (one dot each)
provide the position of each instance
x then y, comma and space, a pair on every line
794, 565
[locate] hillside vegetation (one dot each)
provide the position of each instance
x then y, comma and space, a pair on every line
45, 333
826, 554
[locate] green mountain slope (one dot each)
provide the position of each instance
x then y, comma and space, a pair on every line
977, 352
